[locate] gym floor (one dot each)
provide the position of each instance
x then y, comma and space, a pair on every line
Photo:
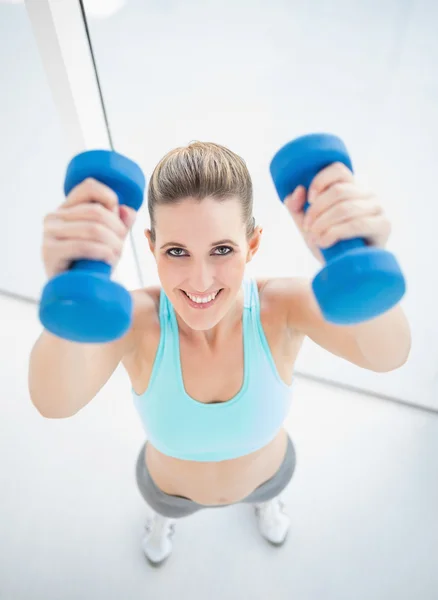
363, 501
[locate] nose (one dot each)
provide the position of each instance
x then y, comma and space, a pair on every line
201, 277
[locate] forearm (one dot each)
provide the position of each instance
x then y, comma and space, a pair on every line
385, 341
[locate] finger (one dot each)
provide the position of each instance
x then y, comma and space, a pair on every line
296, 200
334, 173
344, 211
88, 230
78, 249
92, 190
128, 215
338, 192
94, 212
368, 228
295, 203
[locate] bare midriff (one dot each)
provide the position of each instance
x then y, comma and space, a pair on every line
215, 483
227, 481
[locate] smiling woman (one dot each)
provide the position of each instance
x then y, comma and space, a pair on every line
212, 380
212, 389
211, 352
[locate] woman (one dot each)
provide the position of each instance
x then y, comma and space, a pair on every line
210, 353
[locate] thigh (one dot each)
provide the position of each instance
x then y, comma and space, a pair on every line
164, 504
274, 486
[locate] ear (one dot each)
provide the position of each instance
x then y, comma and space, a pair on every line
148, 235
254, 243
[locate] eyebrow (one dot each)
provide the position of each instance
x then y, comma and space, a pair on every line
177, 245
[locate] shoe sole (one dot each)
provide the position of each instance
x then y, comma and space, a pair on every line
156, 565
277, 544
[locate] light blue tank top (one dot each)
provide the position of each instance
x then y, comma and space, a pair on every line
179, 426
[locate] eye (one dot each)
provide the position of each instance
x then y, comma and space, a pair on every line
219, 251
175, 250
227, 250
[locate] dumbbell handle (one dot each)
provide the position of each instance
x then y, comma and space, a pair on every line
101, 164
96, 266
288, 172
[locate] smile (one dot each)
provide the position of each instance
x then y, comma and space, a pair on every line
203, 303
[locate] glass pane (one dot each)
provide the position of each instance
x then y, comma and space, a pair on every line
253, 78
33, 155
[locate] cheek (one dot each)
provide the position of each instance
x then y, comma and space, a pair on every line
173, 273
232, 272
166, 268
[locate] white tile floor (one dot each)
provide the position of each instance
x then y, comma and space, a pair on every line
363, 501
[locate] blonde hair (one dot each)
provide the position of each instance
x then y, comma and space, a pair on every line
200, 170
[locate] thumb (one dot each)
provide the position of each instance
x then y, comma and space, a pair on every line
295, 203
128, 215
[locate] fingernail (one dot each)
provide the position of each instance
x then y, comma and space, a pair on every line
293, 194
289, 201
292, 199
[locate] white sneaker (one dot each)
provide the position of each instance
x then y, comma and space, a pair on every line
157, 542
272, 522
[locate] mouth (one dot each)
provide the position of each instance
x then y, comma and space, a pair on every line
203, 304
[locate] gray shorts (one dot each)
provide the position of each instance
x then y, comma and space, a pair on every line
179, 506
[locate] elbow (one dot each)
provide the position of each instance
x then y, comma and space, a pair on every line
399, 364
51, 411
51, 405
50, 415
391, 354
403, 357
386, 366
385, 342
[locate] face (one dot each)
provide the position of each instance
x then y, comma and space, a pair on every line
201, 250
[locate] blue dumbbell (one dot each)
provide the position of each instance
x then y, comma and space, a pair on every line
83, 304
358, 282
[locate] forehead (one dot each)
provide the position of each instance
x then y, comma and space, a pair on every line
200, 218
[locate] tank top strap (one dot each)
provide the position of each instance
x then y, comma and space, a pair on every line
164, 306
251, 293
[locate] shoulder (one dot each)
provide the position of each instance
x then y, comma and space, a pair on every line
285, 299
147, 298
146, 306
145, 316
282, 292
294, 300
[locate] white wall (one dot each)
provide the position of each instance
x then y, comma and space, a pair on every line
251, 78
33, 157
32, 153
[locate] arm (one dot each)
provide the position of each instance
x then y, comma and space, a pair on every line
382, 344
341, 209
64, 376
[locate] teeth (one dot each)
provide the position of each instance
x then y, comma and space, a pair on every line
199, 300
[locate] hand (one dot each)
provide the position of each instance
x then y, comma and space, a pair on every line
90, 224
339, 210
